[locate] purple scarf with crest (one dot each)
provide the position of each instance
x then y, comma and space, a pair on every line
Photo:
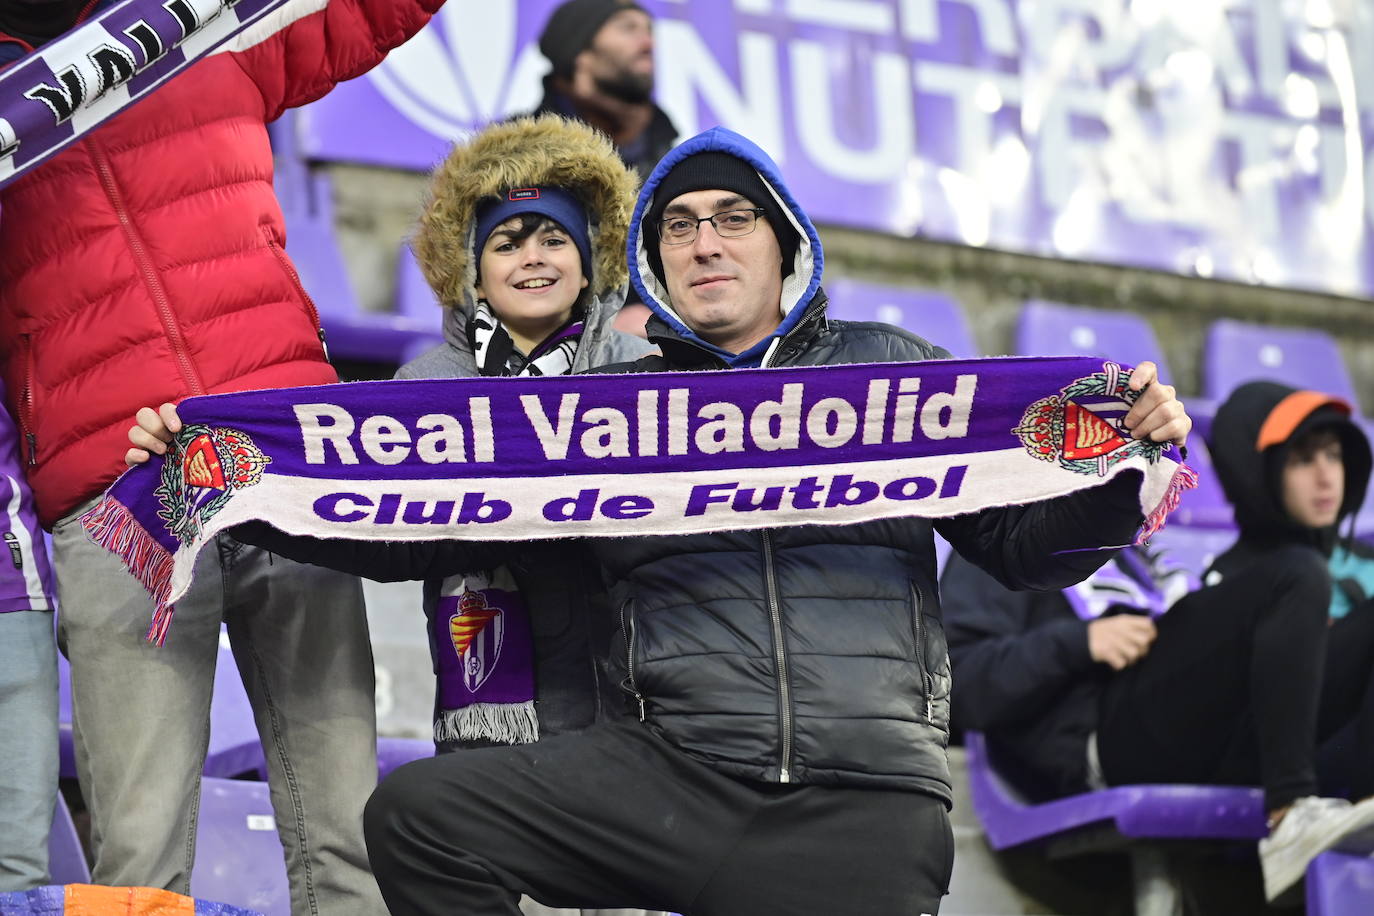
509, 459
72, 84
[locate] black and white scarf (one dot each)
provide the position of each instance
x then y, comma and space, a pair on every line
497, 354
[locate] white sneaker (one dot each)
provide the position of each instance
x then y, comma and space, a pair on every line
1312, 826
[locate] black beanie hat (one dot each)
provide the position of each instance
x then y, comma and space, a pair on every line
571, 28
716, 170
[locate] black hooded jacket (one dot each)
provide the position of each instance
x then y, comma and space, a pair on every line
1025, 674
1026, 679
1252, 478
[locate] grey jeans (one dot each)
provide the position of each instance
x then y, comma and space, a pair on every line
28, 734
141, 713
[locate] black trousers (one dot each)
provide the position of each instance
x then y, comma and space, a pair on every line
1345, 720
1244, 681
614, 816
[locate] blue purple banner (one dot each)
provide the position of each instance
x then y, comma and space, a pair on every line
618, 455
1218, 138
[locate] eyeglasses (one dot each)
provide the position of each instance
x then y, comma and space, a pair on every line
679, 230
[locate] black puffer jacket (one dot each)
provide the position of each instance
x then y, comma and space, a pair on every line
816, 654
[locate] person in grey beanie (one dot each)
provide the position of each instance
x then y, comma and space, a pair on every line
601, 57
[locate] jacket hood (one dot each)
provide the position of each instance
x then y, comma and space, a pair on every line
797, 288
546, 150
1249, 444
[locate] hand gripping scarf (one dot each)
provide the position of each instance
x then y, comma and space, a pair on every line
513, 459
72, 84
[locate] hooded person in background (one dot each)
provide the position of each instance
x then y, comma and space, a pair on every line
601, 55
1238, 683
757, 763
144, 264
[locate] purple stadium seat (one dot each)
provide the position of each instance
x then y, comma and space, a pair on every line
66, 749
234, 744
931, 314
1051, 329
239, 858
417, 304
66, 860
414, 298
1206, 506
1340, 884
1137, 812
351, 333
392, 752
1237, 352
1133, 819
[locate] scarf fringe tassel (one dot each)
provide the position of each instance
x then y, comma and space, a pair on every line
505, 723
1185, 478
113, 526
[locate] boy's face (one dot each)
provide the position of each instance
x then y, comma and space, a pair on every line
1314, 479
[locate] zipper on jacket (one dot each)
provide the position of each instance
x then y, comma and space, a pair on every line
784, 348
627, 626
151, 278
295, 277
26, 403
919, 630
770, 582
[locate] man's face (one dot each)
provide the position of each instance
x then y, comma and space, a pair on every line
1314, 480
727, 290
620, 58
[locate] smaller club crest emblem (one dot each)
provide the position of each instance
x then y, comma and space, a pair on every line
201, 466
202, 470
477, 632
1078, 428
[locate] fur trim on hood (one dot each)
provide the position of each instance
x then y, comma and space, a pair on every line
549, 150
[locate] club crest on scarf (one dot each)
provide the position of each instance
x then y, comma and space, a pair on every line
202, 469
1081, 428
476, 631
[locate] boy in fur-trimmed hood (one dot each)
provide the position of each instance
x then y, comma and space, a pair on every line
584, 188
547, 151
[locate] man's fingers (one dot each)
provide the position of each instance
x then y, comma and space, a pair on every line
135, 456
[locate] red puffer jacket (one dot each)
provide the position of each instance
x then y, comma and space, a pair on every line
145, 263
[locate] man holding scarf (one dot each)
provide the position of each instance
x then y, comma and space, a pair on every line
145, 263
785, 691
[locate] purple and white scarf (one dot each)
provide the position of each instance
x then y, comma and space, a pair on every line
72, 84
497, 355
485, 657
508, 459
